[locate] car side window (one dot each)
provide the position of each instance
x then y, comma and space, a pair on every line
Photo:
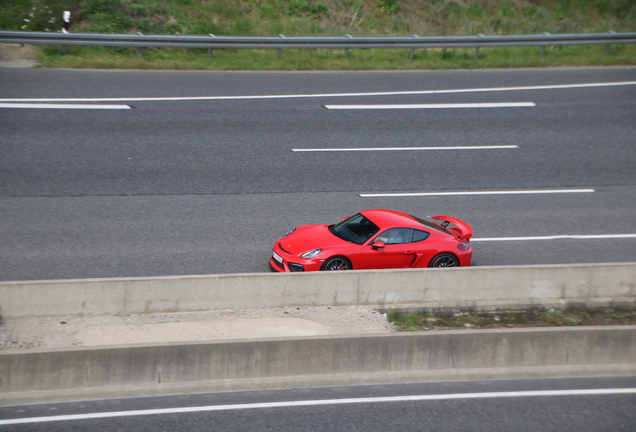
419, 236
395, 236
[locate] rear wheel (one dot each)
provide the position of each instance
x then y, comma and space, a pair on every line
337, 263
444, 260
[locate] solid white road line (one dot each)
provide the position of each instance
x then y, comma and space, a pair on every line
61, 106
510, 192
554, 237
433, 106
543, 393
354, 149
320, 95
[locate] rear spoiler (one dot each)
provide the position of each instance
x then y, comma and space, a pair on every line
466, 232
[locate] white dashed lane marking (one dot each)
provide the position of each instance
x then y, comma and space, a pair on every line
500, 192
432, 106
62, 106
356, 149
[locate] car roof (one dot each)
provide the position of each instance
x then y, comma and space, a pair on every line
391, 218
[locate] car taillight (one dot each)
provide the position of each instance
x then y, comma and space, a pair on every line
463, 245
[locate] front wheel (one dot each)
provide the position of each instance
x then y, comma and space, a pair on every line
444, 260
337, 263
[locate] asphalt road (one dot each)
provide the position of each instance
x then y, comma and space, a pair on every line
206, 185
484, 406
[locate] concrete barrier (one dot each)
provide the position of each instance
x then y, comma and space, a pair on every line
480, 288
278, 363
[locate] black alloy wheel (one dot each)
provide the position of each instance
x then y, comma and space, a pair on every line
444, 260
337, 263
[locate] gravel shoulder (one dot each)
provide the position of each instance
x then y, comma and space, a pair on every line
61, 332
16, 55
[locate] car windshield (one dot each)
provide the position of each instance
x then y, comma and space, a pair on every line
356, 229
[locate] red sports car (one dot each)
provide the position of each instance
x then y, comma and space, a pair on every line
375, 239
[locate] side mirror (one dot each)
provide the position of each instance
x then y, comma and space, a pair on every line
378, 245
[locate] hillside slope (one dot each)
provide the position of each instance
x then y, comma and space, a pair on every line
322, 17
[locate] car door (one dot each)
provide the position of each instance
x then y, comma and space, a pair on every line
389, 250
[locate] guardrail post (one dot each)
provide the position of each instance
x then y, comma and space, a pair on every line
477, 47
543, 46
210, 48
279, 50
607, 47
137, 48
346, 50
412, 55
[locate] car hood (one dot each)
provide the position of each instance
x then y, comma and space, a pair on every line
308, 237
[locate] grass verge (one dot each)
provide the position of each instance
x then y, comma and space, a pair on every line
320, 59
618, 315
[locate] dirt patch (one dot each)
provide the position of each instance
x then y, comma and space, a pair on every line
72, 331
16, 55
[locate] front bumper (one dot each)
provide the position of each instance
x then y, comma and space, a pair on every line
286, 267
288, 263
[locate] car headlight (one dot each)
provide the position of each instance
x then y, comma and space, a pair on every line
310, 254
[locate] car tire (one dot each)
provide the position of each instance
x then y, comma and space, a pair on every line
444, 260
337, 263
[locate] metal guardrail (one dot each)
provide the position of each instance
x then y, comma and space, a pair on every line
343, 42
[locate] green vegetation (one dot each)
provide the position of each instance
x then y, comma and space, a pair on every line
619, 315
326, 18
125, 58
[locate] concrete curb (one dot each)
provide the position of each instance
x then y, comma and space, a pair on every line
45, 376
477, 288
